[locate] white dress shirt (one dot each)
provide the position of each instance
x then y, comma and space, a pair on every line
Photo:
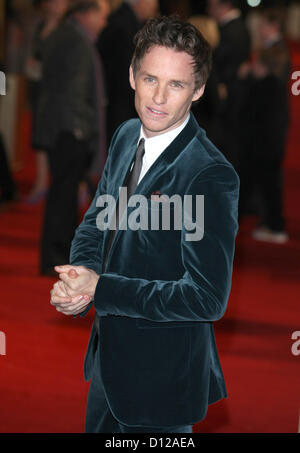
154, 146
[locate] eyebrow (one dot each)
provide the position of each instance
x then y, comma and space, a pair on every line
182, 82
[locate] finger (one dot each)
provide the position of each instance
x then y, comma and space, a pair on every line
73, 274
63, 311
67, 280
56, 300
82, 299
68, 292
80, 310
66, 307
79, 298
65, 268
74, 301
72, 309
68, 313
60, 290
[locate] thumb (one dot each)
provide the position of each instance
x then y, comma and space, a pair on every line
64, 268
72, 273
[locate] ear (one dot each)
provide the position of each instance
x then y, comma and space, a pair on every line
131, 78
198, 93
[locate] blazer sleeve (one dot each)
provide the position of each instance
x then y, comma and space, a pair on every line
202, 292
88, 239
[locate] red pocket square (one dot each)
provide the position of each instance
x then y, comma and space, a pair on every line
158, 196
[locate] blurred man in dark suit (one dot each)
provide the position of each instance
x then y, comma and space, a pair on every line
265, 132
116, 47
232, 51
7, 184
69, 121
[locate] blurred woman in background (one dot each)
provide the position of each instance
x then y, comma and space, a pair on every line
206, 109
52, 12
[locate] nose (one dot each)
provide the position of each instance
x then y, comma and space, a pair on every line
160, 95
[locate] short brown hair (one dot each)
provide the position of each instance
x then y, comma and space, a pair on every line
175, 34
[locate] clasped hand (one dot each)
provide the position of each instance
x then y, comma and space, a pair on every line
74, 290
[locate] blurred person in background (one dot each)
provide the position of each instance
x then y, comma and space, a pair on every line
21, 19
116, 48
207, 108
8, 192
52, 12
7, 184
233, 50
265, 133
69, 122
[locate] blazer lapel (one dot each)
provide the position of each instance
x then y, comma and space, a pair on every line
120, 168
118, 174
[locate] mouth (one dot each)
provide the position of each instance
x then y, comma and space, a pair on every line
156, 113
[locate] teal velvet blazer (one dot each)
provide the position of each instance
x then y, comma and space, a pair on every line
159, 295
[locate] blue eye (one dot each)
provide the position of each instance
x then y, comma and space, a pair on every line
176, 85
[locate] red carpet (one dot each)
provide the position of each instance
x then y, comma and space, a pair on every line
41, 379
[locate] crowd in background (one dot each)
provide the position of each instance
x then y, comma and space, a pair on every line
75, 55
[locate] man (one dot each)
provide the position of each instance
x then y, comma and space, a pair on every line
264, 138
152, 358
232, 51
50, 13
69, 122
116, 48
8, 190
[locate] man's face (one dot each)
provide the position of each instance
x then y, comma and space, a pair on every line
215, 9
96, 19
148, 9
55, 8
164, 89
267, 30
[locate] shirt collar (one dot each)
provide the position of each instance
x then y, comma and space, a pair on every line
157, 144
